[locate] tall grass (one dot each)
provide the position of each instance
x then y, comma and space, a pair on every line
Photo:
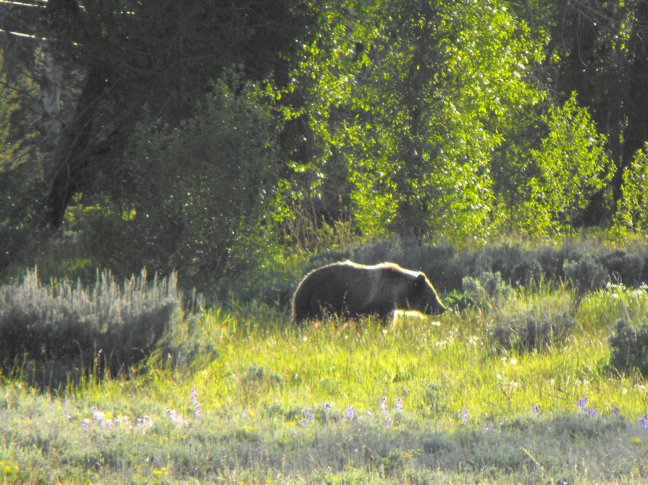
257, 399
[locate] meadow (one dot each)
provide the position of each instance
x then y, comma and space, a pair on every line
238, 394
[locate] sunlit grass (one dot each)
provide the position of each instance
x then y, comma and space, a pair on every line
438, 370
275, 399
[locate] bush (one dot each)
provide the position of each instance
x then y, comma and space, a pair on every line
623, 267
585, 275
487, 288
51, 333
630, 348
529, 332
440, 263
380, 251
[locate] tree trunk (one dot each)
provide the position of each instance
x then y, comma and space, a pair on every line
65, 166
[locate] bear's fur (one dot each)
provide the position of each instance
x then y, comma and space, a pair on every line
351, 290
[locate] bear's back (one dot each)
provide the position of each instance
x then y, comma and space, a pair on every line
350, 289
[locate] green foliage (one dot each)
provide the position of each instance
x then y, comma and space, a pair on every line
20, 177
631, 214
625, 266
10, 154
486, 289
572, 166
441, 121
199, 198
598, 50
404, 95
50, 334
436, 146
630, 348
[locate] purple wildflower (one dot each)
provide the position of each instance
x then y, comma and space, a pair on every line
388, 421
383, 404
582, 403
325, 413
308, 414
399, 405
100, 418
592, 412
464, 415
616, 412
123, 421
351, 413
643, 422
196, 404
536, 409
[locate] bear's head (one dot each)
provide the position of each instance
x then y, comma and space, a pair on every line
425, 298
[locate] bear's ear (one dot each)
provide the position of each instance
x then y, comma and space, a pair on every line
420, 279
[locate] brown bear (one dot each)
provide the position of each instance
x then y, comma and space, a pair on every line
351, 290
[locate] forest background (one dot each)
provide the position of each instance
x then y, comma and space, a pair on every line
216, 138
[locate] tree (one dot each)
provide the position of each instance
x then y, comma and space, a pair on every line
18, 179
571, 166
105, 69
197, 198
598, 49
412, 96
631, 214
119, 56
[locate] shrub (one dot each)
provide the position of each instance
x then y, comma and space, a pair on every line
51, 333
474, 291
623, 267
504, 258
440, 264
529, 332
458, 300
327, 257
487, 288
571, 166
631, 214
380, 251
630, 348
526, 272
551, 262
585, 275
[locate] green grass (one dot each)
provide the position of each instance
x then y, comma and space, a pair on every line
467, 408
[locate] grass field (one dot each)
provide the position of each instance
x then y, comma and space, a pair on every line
258, 400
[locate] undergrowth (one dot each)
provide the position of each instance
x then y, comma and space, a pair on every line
238, 394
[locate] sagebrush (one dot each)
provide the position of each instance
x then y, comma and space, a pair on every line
52, 332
